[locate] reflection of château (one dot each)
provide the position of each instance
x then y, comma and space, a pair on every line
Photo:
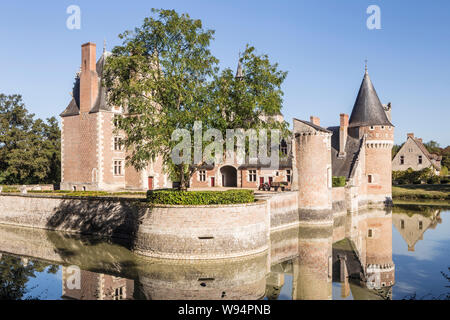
413, 225
356, 251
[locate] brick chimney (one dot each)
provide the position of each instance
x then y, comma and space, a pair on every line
315, 120
88, 77
410, 135
420, 140
343, 134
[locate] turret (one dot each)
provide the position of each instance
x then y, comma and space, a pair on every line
312, 169
369, 119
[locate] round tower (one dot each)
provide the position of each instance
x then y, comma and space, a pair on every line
370, 121
313, 170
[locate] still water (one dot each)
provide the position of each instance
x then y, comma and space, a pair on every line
375, 254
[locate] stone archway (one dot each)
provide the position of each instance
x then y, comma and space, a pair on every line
229, 177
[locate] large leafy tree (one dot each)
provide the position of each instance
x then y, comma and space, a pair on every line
29, 149
166, 78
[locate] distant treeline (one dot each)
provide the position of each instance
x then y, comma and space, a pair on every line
29, 148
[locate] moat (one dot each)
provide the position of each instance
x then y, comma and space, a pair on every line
374, 254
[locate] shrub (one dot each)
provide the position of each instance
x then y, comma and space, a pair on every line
176, 197
9, 189
339, 182
434, 180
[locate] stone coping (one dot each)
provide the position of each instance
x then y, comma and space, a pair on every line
121, 199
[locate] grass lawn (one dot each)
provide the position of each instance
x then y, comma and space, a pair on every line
421, 192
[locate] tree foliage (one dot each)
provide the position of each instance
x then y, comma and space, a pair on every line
29, 149
166, 78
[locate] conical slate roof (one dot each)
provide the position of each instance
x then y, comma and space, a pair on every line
368, 110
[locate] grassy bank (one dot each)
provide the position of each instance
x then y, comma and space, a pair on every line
425, 192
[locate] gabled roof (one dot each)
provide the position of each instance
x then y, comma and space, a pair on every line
430, 156
313, 126
368, 110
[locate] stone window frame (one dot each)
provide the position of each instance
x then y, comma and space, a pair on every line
289, 176
252, 175
370, 233
420, 159
420, 225
371, 179
402, 160
372, 128
383, 127
118, 143
202, 176
119, 293
118, 163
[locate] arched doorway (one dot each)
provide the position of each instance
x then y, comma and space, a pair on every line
229, 177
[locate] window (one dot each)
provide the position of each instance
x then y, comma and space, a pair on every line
278, 174
119, 293
370, 178
74, 188
382, 127
402, 224
252, 176
284, 147
202, 176
118, 144
370, 233
420, 160
420, 225
288, 176
84, 188
402, 160
372, 128
118, 168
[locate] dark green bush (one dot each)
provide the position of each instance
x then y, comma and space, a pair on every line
176, 197
339, 182
434, 180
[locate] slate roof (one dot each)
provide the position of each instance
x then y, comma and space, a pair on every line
368, 110
342, 167
100, 104
312, 125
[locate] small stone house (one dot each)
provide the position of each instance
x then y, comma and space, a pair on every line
413, 154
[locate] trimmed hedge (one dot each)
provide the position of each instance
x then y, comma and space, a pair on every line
339, 182
176, 197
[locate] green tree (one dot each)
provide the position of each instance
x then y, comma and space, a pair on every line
166, 78
29, 149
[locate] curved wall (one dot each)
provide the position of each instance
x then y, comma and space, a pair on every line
204, 232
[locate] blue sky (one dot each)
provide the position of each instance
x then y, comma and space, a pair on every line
323, 45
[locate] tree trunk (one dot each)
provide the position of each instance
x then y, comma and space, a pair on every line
183, 186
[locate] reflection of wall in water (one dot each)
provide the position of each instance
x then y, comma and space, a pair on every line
233, 279
96, 286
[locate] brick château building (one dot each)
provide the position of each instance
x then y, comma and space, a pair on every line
359, 149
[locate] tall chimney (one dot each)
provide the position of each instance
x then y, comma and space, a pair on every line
88, 77
410, 135
315, 120
343, 133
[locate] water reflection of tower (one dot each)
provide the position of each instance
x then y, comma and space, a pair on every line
313, 267
95, 286
379, 267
